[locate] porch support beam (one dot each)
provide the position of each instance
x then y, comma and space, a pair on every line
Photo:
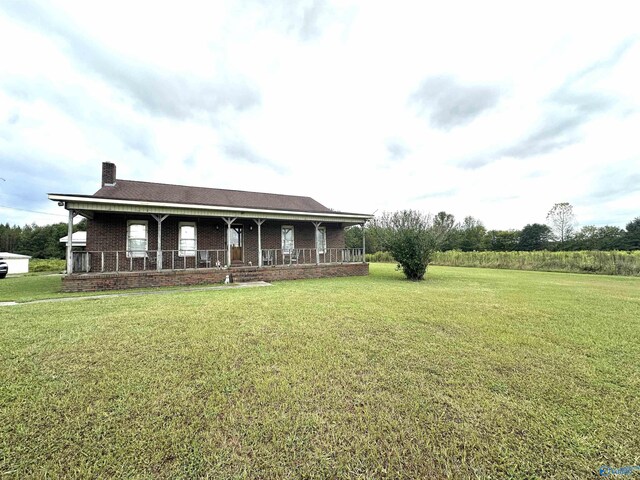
317, 225
159, 219
229, 221
85, 213
364, 246
72, 213
259, 222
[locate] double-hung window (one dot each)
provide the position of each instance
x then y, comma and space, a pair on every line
287, 239
187, 245
137, 238
321, 240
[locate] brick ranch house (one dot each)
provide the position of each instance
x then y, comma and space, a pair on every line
142, 234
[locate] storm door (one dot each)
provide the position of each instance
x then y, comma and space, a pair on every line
237, 243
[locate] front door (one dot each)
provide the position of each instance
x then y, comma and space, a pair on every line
237, 243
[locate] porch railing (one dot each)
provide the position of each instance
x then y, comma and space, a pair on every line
142, 260
307, 256
149, 260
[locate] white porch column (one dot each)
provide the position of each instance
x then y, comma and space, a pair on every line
70, 242
259, 223
159, 219
317, 224
229, 221
364, 246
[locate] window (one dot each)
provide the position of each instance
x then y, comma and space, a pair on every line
187, 239
321, 240
287, 239
137, 242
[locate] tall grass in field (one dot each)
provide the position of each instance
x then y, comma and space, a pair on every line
588, 261
380, 257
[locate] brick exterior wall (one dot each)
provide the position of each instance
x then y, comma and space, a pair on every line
92, 282
108, 233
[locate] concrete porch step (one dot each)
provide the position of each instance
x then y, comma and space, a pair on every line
245, 278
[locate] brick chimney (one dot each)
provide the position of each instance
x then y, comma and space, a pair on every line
108, 174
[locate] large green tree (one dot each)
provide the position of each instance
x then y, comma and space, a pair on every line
591, 237
501, 240
445, 229
632, 235
9, 237
534, 236
472, 232
42, 241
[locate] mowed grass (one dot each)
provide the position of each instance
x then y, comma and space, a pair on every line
24, 288
473, 373
28, 288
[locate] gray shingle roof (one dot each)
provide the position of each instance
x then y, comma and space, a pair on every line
159, 192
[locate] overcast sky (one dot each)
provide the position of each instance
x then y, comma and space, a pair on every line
495, 110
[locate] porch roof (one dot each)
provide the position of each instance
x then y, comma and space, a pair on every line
85, 204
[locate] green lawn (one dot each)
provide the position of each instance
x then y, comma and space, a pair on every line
23, 288
471, 373
27, 288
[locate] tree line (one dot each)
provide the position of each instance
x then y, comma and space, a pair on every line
559, 234
413, 238
35, 240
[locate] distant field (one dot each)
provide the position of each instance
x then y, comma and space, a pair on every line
607, 263
588, 261
473, 373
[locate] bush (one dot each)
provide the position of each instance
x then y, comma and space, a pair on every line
409, 237
47, 265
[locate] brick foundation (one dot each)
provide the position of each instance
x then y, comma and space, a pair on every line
92, 282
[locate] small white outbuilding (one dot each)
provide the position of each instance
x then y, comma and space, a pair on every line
78, 239
17, 263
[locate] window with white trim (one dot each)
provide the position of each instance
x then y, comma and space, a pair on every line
137, 238
287, 239
321, 240
187, 245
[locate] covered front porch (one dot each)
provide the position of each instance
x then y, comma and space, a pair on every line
130, 241
133, 238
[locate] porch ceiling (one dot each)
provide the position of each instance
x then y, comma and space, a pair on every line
87, 204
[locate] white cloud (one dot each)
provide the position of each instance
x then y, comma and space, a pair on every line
315, 98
